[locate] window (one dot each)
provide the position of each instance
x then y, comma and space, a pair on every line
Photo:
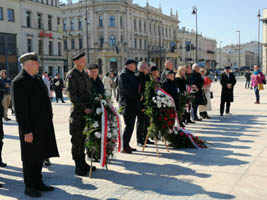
150, 27
100, 21
145, 44
144, 26
112, 41
58, 21
49, 22
52, 2
1, 14
10, 15
50, 47
72, 24
140, 43
65, 44
122, 39
72, 43
135, 26
59, 49
65, 25
112, 21
40, 47
29, 45
101, 42
80, 43
140, 25
39, 19
121, 21
80, 27
28, 19
135, 43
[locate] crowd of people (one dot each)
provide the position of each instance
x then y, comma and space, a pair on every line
31, 98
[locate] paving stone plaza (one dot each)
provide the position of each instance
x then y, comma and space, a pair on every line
233, 167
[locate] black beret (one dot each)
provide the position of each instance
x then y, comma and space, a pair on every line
28, 56
154, 68
128, 62
78, 56
93, 66
227, 67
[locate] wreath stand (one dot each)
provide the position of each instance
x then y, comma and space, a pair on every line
91, 167
156, 143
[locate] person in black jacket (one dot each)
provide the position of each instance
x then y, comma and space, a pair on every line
228, 82
34, 115
168, 67
2, 92
197, 83
97, 83
143, 120
129, 98
58, 86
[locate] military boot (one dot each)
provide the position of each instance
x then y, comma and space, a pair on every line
87, 167
79, 169
2, 164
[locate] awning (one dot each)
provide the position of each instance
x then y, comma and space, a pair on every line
112, 59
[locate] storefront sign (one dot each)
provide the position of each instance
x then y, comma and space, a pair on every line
44, 34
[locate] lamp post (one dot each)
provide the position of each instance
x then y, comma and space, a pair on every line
87, 32
259, 16
221, 54
194, 12
239, 46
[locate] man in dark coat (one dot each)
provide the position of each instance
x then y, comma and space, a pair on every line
197, 83
143, 120
98, 85
79, 90
2, 92
58, 85
228, 82
168, 67
129, 98
34, 115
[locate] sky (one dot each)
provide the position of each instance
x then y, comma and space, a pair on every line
217, 19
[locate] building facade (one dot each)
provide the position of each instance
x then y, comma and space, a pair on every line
9, 39
41, 31
120, 30
264, 52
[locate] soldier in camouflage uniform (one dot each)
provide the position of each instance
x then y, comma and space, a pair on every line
79, 90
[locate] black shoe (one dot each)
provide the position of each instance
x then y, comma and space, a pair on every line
149, 142
221, 114
32, 192
197, 119
132, 149
127, 150
1, 185
7, 119
63, 102
45, 188
87, 167
80, 172
47, 162
189, 121
3, 164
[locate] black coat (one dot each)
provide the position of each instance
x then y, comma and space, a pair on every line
189, 80
227, 94
2, 92
142, 80
171, 88
129, 94
181, 84
163, 75
98, 86
34, 115
58, 85
198, 81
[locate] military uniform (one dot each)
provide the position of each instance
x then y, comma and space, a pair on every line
78, 86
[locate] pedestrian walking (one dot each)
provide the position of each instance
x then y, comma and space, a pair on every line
258, 80
7, 97
79, 89
113, 85
129, 98
34, 115
47, 82
58, 86
228, 82
107, 81
98, 85
248, 78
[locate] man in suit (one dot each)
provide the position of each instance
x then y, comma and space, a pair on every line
197, 83
228, 82
129, 98
34, 115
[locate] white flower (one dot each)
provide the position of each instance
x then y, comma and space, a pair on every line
159, 105
97, 98
109, 135
154, 98
158, 93
158, 98
104, 102
98, 135
115, 132
164, 105
169, 104
154, 101
95, 124
98, 111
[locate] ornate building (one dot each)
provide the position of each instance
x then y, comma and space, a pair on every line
264, 54
119, 30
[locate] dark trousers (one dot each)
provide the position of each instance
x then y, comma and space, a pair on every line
129, 121
32, 172
142, 124
228, 104
77, 139
1, 138
194, 110
247, 84
257, 93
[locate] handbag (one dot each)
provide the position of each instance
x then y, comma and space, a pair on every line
204, 100
211, 95
264, 81
260, 86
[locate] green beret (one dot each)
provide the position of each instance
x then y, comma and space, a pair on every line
28, 56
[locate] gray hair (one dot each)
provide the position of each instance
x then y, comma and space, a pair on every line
195, 66
167, 61
141, 64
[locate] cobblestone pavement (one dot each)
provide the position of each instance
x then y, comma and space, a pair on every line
234, 167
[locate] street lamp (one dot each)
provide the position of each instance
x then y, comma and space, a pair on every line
221, 54
239, 46
194, 12
259, 16
87, 32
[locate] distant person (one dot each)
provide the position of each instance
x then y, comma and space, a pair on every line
107, 81
2, 91
7, 97
113, 85
46, 80
228, 82
58, 86
168, 67
258, 79
248, 78
98, 85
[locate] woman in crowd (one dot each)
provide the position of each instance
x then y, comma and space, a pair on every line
257, 82
203, 109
